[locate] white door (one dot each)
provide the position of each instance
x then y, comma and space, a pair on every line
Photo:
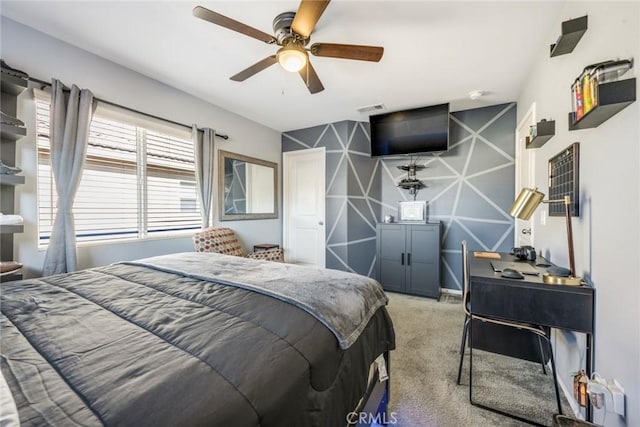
303, 190
525, 170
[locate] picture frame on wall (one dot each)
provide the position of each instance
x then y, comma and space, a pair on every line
414, 211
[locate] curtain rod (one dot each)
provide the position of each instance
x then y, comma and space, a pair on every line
225, 137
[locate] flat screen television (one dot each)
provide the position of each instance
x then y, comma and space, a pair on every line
414, 131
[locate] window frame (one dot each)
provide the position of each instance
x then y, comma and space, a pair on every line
143, 125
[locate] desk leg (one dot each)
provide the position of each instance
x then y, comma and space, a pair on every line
471, 359
589, 369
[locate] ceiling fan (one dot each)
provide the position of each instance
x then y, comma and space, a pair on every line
292, 31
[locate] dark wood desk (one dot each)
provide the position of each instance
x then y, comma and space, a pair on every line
530, 300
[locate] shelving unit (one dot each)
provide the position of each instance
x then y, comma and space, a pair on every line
11, 86
11, 228
11, 180
612, 97
411, 183
11, 133
572, 32
545, 130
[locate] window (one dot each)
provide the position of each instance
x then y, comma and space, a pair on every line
138, 179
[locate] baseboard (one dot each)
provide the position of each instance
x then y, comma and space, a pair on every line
447, 291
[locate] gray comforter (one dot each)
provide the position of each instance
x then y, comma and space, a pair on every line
344, 308
138, 345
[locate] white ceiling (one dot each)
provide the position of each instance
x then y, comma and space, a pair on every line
435, 51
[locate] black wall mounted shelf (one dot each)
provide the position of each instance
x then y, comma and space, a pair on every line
545, 130
612, 97
572, 32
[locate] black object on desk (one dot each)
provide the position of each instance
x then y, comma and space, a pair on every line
510, 273
530, 300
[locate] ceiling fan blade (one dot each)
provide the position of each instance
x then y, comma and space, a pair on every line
254, 69
310, 78
232, 24
347, 51
307, 16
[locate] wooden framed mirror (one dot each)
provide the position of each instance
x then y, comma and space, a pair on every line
247, 187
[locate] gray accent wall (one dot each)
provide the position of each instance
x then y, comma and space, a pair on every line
470, 188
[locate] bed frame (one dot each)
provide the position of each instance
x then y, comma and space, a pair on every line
374, 409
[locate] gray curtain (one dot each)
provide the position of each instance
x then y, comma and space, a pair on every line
71, 113
204, 150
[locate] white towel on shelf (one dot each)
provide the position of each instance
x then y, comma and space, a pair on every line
10, 219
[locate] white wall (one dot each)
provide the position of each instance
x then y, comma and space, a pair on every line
43, 57
607, 233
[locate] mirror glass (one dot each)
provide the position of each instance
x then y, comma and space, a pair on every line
247, 187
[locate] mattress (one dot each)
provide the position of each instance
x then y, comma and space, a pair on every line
133, 345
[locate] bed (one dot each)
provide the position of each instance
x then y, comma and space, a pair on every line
193, 339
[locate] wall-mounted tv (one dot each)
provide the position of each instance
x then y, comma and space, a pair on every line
419, 130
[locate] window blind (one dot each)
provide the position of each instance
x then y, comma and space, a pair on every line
137, 181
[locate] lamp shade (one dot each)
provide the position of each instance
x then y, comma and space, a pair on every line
292, 58
526, 202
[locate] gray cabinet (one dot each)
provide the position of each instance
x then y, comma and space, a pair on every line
408, 258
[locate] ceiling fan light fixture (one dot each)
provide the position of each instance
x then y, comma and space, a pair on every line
292, 58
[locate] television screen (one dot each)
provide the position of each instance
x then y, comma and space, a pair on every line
419, 130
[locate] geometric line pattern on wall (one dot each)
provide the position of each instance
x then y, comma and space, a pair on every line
469, 188
352, 216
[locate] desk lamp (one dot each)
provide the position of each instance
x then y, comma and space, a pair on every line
527, 202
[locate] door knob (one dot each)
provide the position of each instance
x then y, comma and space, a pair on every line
320, 223
526, 231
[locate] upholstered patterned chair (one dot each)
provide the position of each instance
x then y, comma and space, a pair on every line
223, 240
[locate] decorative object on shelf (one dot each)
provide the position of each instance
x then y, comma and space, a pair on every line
598, 93
411, 183
8, 170
10, 219
6, 119
572, 32
524, 206
415, 211
540, 133
564, 179
9, 267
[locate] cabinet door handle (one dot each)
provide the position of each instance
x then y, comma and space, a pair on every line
409, 259
402, 258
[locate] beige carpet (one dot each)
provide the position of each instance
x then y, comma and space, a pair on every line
424, 367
